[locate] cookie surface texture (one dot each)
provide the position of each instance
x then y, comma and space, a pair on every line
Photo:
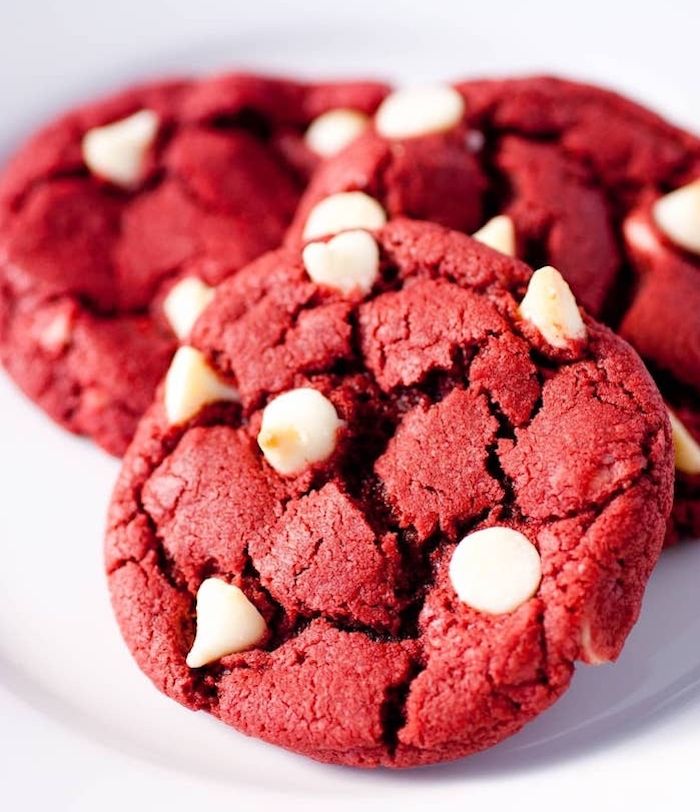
586, 172
105, 210
384, 446
593, 183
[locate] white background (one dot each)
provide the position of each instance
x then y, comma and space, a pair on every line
80, 727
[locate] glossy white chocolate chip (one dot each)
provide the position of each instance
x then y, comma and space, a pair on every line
117, 151
415, 111
349, 261
191, 384
499, 234
227, 622
550, 305
298, 428
334, 130
641, 235
687, 450
677, 215
343, 212
184, 303
495, 570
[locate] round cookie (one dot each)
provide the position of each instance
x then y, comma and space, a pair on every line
378, 524
106, 209
572, 167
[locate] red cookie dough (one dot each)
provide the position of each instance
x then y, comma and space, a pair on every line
435, 177
84, 264
580, 168
661, 322
477, 168
570, 163
457, 416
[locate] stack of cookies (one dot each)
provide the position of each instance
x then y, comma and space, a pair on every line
405, 384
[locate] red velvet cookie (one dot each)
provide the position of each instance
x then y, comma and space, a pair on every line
573, 167
376, 518
103, 211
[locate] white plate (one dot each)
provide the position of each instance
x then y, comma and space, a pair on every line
81, 727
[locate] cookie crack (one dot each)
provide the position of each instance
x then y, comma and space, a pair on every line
591, 513
393, 708
19, 199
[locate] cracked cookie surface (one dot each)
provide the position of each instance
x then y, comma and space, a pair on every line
578, 169
454, 415
85, 262
583, 168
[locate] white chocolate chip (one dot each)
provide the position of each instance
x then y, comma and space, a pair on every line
499, 234
191, 384
641, 235
416, 111
495, 570
117, 151
184, 303
550, 305
588, 653
349, 261
227, 622
687, 450
298, 428
343, 212
335, 129
677, 214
